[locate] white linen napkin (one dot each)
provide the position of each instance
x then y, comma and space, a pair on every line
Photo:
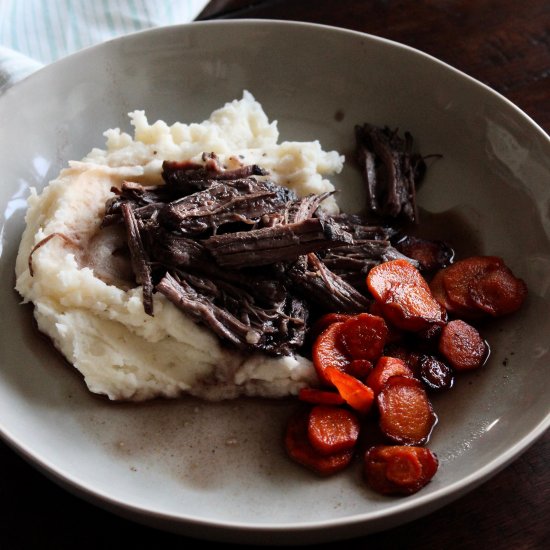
34, 33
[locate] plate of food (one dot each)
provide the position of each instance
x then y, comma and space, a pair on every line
257, 292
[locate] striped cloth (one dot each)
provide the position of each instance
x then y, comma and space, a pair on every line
34, 33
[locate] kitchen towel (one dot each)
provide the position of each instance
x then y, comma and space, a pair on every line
34, 33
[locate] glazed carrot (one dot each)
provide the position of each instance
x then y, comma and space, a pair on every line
355, 393
435, 374
440, 294
332, 429
406, 414
498, 292
394, 334
399, 469
459, 277
360, 368
320, 397
327, 352
404, 295
383, 276
299, 449
350, 345
364, 336
324, 321
385, 368
462, 346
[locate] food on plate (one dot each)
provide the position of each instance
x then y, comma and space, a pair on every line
82, 285
300, 449
391, 396
209, 259
406, 414
462, 346
478, 287
399, 469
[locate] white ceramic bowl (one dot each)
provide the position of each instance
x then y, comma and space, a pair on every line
170, 464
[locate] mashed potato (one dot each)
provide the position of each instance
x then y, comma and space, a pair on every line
82, 299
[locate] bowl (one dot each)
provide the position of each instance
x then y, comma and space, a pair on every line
218, 471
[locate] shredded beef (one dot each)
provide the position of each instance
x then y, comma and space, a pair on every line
390, 171
249, 258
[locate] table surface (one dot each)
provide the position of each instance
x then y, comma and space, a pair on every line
504, 44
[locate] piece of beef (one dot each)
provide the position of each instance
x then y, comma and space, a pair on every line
390, 171
188, 177
242, 201
251, 260
234, 316
320, 286
139, 257
279, 243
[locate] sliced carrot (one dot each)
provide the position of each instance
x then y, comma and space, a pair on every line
360, 368
394, 334
355, 393
333, 429
384, 276
324, 321
399, 469
498, 292
299, 448
406, 414
320, 397
462, 346
412, 308
439, 292
327, 352
460, 277
364, 336
385, 368
404, 295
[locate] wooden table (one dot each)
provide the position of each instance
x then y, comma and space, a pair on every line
503, 43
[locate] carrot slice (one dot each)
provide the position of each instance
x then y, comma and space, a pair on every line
406, 414
394, 334
399, 469
412, 308
355, 393
299, 448
462, 346
385, 368
325, 321
405, 296
320, 397
327, 352
364, 336
460, 277
332, 429
360, 368
384, 276
498, 292
439, 292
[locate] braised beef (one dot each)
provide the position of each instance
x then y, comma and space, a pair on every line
253, 261
235, 317
280, 243
390, 170
323, 288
